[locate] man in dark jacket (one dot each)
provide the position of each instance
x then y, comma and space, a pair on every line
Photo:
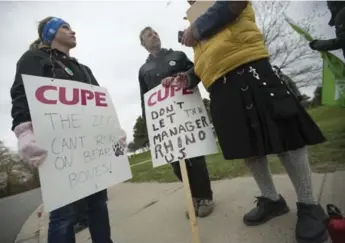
337, 9
160, 64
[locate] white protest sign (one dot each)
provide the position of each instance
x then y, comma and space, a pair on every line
77, 124
178, 125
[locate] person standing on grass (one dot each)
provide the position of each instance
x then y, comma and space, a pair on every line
253, 112
49, 56
160, 64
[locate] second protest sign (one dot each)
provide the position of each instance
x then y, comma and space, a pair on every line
178, 125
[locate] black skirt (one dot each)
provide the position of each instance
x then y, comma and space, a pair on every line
255, 114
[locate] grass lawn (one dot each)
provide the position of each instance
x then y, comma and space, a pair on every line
325, 157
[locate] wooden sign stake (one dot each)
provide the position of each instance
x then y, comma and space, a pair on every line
191, 209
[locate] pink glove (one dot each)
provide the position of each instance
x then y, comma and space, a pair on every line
29, 151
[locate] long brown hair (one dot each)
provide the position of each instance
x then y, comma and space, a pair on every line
38, 42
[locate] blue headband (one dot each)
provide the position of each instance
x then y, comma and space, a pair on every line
50, 29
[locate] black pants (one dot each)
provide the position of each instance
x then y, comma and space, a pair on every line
199, 179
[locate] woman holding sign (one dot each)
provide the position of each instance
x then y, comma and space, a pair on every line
49, 57
253, 112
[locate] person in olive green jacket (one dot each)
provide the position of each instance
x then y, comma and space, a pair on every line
253, 111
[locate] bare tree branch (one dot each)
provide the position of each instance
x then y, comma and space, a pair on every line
288, 50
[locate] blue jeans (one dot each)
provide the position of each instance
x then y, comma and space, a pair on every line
62, 220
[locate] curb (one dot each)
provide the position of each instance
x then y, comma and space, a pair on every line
31, 229
140, 163
42, 237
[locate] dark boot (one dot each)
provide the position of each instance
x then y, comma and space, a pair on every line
205, 207
311, 224
265, 210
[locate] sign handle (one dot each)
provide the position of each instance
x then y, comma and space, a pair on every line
191, 209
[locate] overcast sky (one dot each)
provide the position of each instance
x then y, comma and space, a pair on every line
108, 42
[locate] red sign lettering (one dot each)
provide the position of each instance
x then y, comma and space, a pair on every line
100, 99
81, 96
161, 95
63, 99
40, 94
86, 95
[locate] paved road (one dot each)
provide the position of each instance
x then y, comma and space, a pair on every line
14, 211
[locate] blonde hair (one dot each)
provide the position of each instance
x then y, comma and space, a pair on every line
38, 42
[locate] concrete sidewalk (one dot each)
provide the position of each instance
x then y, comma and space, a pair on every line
155, 213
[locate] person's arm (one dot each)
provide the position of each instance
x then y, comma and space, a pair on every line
20, 112
143, 90
216, 17
328, 45
293, 86
193, 79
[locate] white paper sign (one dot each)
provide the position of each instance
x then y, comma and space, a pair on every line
178, 125
77, 124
